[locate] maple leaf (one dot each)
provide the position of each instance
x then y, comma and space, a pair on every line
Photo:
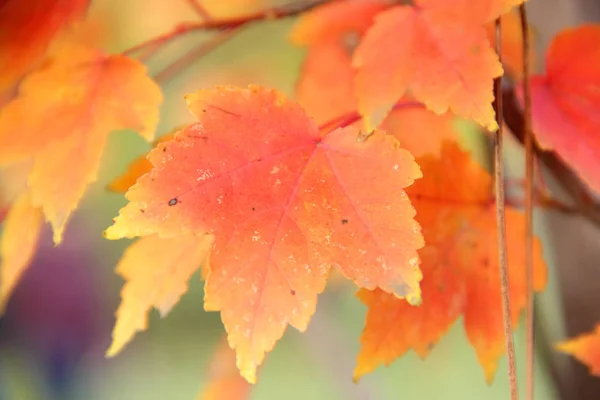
585, 348
26, 29
284, 204
436, 49
77, 98
566, 101
225, 382
18, 244
331, 32
460, 268
156, 271
419, 130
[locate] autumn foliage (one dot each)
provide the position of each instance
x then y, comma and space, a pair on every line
360, 170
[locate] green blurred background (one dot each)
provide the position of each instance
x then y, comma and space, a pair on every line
58, 324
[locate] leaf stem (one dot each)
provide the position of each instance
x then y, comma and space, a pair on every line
182, 29
501, 224
350, 118
529, 181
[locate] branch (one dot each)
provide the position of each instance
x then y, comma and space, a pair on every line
194, 54
275, 13
543, 200
501, 225
529, 182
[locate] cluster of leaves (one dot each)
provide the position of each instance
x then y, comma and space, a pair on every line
362, 172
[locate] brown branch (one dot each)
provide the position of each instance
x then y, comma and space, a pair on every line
529, 182
541, 199
289, 10
501, 225
194, 54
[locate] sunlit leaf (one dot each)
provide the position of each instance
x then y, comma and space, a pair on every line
62, 117
284, 204
460, 269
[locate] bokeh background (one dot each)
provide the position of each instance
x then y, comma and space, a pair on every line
59, 321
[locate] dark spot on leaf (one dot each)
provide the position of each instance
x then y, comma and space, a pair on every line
344, 221
172, 202
164, 149
142, 210
293, 292
253, 209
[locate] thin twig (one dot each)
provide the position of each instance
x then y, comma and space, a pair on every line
348, 119
529, 181
542, 200
501, 225
199, 9
194, 54
289, 10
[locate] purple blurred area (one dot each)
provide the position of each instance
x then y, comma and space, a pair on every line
57, 314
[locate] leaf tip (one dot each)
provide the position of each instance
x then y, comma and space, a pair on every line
492, 125
57, 235
564, 346
111, 233
113, 350
415, 299
249, 374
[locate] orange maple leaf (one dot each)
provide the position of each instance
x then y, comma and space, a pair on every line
224, 381
156, 271
331, 32
284, 204
26, 29
566, 101
460, 269
77, 98
585, 348
436, 49
18, 243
